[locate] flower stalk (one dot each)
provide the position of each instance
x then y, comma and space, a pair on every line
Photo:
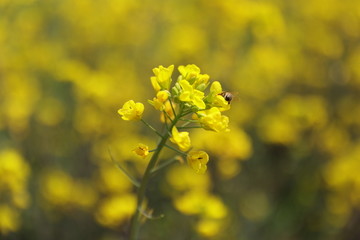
135, 223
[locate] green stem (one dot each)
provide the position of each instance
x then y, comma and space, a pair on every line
167, 115
135, 223
186, 113
131, 178
185, 124
172, 107
152, 128
164, 164
189, 120
189, 127
175, 150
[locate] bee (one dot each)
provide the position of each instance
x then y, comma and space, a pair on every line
228, 96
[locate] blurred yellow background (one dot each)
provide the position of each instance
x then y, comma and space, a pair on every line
67, 66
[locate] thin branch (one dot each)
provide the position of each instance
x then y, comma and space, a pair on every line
189, 127
131, 178
185, 124
172, 107
188, 120
174, 149
152, 128
163, 164
167, 115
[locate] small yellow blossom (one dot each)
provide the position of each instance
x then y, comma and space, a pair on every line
182, 139
191, 73
213, 120
221, 103
203, 79
189, 94
214, 99
162, 78
197, 160
131, 111
141, 150
159, 100
162, 96
216, 88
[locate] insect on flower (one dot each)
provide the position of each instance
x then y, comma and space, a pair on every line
228, 96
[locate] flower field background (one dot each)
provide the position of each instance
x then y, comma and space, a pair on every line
288, 168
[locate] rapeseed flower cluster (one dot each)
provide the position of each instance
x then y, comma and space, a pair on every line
183, 105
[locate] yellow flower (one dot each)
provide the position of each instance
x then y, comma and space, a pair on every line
216, 100
131, 111
197, 160
159, 100
182, 139
141, 150
189, 94
216, 88
213, 120
220, 103
162, 78
191, 73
